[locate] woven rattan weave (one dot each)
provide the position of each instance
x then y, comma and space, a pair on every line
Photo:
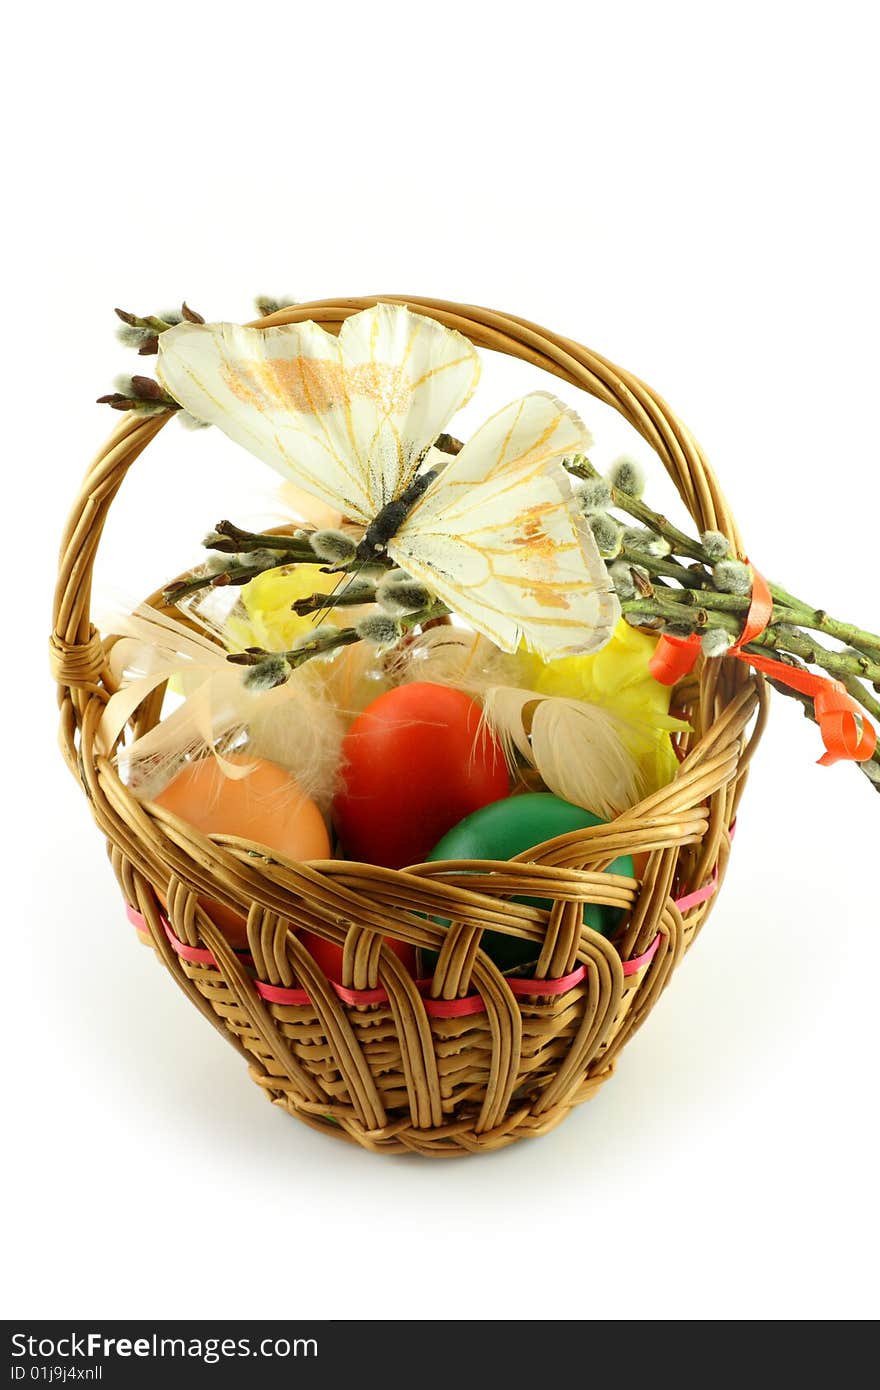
377, 1058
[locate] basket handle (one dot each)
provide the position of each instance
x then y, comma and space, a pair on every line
76, 651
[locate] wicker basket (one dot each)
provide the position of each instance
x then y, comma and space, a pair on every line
469, 1061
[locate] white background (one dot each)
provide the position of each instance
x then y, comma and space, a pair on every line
690, 189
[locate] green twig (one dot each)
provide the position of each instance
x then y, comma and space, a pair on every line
845, 665
148, 322
799, 613
817, 620
228, 538
238, 575
711, 610
352, 596
328, 642
662, 565
634, 507
675, 611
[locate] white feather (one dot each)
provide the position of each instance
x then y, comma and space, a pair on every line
576, 748
293, 725
353, 679
453, 656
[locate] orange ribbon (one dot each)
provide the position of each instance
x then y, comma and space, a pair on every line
845, 731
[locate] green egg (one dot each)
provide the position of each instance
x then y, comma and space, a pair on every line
509, 827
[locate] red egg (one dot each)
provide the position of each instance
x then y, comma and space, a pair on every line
329, 957
415, 763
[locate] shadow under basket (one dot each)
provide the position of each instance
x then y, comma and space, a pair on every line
470, 1060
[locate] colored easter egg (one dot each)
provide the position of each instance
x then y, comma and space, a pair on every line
510, 827
415, 763
329, 956
266, 806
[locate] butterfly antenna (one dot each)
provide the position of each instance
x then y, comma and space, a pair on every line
337, 592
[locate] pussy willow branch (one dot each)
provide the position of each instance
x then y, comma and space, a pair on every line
847, 667
354, 595
344, 637
329, 642
636, 508
665, 566
684, 599
234, 574
229, 539
713, 612
670, 595
799, 613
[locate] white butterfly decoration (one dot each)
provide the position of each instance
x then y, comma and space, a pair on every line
496, 533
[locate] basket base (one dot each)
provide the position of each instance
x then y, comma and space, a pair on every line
446, 1141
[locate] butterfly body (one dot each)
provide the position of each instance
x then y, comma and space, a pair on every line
384, 527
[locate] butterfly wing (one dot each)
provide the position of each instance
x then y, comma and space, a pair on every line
347, 419
408, 375
499, 537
